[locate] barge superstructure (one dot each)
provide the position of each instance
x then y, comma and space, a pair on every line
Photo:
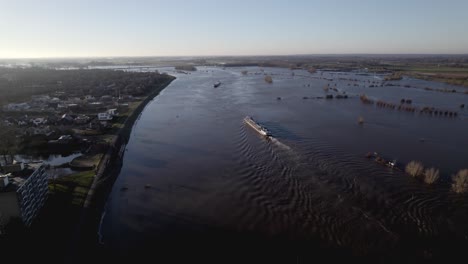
258, 128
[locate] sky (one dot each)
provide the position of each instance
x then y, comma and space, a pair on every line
105, 28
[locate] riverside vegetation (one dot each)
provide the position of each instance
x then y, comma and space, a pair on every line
431, 175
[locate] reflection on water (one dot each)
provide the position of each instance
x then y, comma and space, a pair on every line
53, 159
211, 178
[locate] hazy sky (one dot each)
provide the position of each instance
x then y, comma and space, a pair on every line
78, 28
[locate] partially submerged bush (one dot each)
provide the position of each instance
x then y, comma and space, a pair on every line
431, 175
360, 120
366, 99
460, 181
268, 79
414, 168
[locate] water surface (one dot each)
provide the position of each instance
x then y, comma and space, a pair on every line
193, 172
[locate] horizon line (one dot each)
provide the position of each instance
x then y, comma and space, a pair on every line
233, 56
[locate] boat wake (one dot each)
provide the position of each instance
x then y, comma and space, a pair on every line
279, 143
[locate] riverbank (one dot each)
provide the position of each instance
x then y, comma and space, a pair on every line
106, 174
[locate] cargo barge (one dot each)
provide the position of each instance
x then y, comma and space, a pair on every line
261, 130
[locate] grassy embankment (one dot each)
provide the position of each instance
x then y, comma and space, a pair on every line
75, 185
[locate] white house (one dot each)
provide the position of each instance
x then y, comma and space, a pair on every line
104, 117
112, 112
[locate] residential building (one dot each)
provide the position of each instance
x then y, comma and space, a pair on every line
13, 167
104, 117
112, 112
82, 119
22, 195
39, 121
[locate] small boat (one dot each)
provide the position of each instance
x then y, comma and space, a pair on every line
261, 130
216, 84
377, 158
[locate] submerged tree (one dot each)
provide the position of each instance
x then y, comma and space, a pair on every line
360, 120
460, 181
414, 168
431, 175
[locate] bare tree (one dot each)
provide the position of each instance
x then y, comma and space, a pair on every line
8, 142
460, 181
431, 175
414, 168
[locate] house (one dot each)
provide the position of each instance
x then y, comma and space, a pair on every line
112, 112
90, 98
67, 119
39, 131
22, 123
72, 106
17, 107
104, 117
14, 167
95, 105
106, 98
64, 139
40, 98
62, 106
82, 119
39, 121
74, 100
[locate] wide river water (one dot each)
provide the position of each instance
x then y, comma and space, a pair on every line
194, 172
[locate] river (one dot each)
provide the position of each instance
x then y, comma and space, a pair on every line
193, 172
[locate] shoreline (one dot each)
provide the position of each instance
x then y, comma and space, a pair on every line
86, 234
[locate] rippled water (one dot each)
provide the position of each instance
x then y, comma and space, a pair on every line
193, 171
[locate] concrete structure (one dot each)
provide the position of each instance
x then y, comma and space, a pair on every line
22, 197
